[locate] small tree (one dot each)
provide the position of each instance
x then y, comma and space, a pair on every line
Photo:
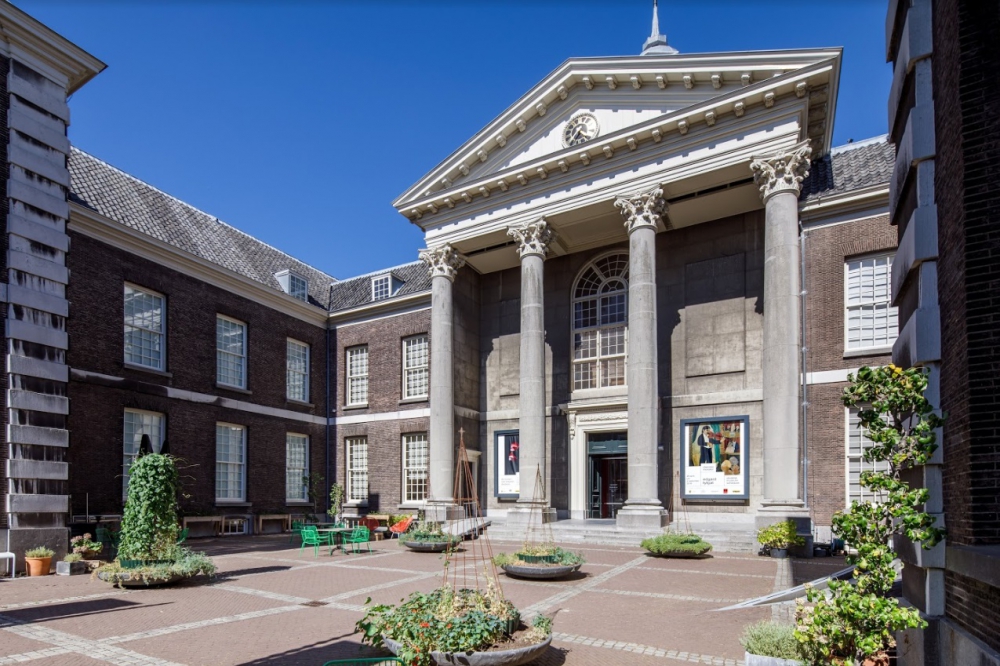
858, 621
149, 523
336, 500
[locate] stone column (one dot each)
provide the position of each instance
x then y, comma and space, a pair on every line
779, 177
642, 212
533, 243
443, 263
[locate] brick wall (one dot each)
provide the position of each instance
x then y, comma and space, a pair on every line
4, 206
385, 459
96, 415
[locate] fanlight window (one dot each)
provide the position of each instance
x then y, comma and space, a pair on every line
600, 323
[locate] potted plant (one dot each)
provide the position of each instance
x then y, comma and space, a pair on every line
85, 547
71, 565
672, 544
336, 501
778, 537
448, 626
428, 537
38, 561
855, 622
546, 561
770, 644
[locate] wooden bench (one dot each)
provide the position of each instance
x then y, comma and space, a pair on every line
285, 518
215, 521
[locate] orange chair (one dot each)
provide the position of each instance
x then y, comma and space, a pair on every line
400, 527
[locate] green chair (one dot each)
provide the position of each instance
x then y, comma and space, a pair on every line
357, 537
312, 537
182, 535
296, 531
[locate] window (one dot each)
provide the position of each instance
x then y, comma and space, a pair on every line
298, 287
381, 287
145, 328
230, 462
870, 319
357, 375
296, 467
357, 469
415, 459
857, 443
600, 323
415, 367
137, 424
230, 352
297, 371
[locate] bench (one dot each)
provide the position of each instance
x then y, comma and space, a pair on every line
214, 521
285, 518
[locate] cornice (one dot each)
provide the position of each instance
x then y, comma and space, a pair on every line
29, 41
860, 199
90, 223
384, 308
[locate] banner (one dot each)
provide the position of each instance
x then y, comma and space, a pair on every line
714, 458
507, 465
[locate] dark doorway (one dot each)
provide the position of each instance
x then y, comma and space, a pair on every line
608, 474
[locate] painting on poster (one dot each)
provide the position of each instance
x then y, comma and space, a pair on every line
507, 465
714, 457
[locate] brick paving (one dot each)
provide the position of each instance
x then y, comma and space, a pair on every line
272, 604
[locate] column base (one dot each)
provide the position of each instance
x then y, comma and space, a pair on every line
642, 514
530, 513
438, 511
776, 511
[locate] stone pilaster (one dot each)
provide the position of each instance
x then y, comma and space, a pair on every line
443, 263
643, 212
780, 177
533, 244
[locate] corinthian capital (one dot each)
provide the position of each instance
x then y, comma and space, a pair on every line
442, 261
533, 238
642, 209
782, 172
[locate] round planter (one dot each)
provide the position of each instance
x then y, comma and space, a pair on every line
759, 660
539, 573
513, 657
127, 580
135, 564
428, 546
534, 559
38, 566
681, 554
779, 553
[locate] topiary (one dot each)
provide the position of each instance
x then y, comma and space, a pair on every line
149, 523
676, 545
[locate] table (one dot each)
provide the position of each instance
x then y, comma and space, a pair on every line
285, 518
335, 531
215, 520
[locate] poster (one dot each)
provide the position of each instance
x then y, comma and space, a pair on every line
713, 458
507, 465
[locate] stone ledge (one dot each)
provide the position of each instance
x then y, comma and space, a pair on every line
981, 563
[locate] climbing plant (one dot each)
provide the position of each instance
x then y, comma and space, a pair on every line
857, 621
149, 522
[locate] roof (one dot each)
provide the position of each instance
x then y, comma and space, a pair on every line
850, 167
357, 291
140, 206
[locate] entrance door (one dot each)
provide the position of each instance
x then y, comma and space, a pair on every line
608, 474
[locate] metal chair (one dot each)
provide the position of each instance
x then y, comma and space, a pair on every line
400, 528
182, 535
13, 562
312, 537
357, 537
296, 531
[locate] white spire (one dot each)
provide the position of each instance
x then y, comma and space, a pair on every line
657, 43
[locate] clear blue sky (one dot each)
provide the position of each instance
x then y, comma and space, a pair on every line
300, 122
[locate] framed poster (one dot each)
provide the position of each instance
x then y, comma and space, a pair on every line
506, 465
713, 458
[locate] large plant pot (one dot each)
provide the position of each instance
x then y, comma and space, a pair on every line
779, 553
38, 566
136, 564
514, 657
71, 568
428, 546
536, 572
134, 580
760, 660
534, 559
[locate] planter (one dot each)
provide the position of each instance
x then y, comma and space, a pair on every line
137, 564
512, 657
779, 553
534, 559
428, 546
133, 580
71, 568
38, 566
90, 554
760, 660
539, 572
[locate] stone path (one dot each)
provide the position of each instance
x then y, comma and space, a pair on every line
271, 604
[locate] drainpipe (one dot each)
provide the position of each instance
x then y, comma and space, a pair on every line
326, 407
802, 339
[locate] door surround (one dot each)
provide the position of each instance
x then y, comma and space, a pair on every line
583, 421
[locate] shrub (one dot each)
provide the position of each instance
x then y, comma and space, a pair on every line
672, 544
41, 551
769, 639
429, 531
149, 524
560, 556
83, 543
73, 557
183, 562
780, 535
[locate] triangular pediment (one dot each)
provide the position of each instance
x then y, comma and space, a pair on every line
630, 100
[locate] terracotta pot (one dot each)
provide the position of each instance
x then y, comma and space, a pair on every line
38, 566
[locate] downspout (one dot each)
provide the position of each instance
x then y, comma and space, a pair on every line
804, 350
329, 464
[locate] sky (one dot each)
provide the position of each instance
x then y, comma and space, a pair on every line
300, 121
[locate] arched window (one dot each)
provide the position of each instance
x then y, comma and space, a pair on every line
600, 323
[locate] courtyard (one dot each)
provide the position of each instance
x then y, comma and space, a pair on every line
272, 604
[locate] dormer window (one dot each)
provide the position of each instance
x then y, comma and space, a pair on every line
293, 284
381, 287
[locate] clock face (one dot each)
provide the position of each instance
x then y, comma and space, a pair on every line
580, 129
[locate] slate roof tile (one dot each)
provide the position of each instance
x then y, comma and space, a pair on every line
357, 291
850, 167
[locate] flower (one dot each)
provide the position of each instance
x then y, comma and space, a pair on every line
425, 624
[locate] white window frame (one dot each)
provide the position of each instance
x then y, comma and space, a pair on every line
358, 378
408, 466
600, 328
290, 371
296, 478
162, 333
354, 469
377, 287
240, 465
408, 369
891, 312
128, 457
863, 465
221, 353
298, 287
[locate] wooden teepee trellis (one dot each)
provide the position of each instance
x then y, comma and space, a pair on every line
538, 532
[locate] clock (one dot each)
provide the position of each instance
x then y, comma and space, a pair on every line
580, 129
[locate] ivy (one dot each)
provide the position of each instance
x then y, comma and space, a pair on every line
149, 523
857, 621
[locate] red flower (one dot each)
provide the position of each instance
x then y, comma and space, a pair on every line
425, 624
